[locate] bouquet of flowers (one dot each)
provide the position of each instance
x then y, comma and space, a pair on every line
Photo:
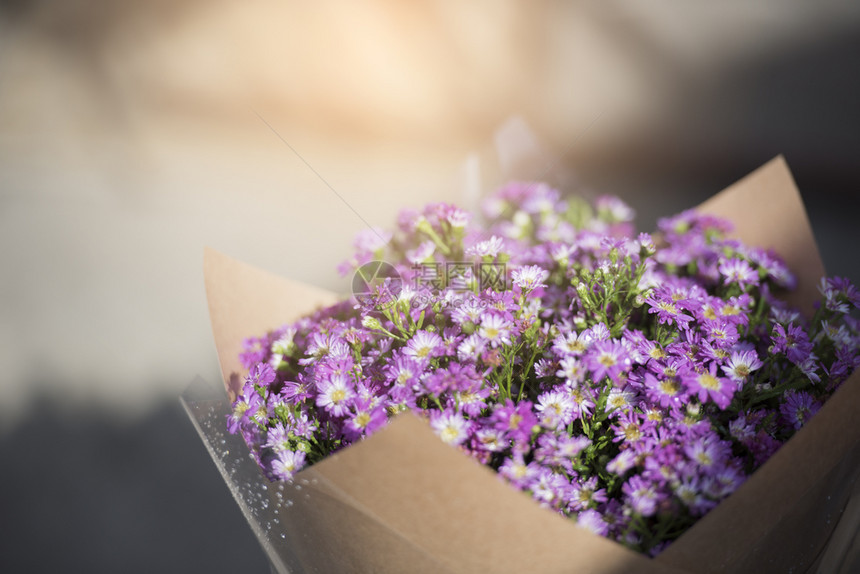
627, 383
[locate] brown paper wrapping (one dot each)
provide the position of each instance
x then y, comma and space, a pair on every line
403, 501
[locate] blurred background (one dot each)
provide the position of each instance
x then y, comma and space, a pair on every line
133, 133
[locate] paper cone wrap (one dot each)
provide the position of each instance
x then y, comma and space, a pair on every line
403, 501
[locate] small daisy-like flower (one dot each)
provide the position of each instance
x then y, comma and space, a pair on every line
457, 218
529, 278
741, 364
277, 438
548, 487
709, 384
489, 248
424, 345
365, 420
613, 210
641, 495
261, 374
793, 341
515, 419
495, 330
571, 344
490, 439
238, 414
421, 253
739, 272
451, 427
708, 452
584, 493
518, 472
607, 359
471, 347
287, 463
798, 407
556, 408
839, 294
372, 239
619, 400
667, 309
809, 367
593, 521
404, 371
572, 370
624, 461
334, 395
690, 493
664, 391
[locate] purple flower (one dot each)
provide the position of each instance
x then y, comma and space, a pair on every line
518, 472
571, 344
287, 463
585, 493
556, 408
666, 308
593, 521
278, 438
623, 461
424, 345
793, 342
741, 364
297, 391
640, 495
572, 370
689, 491
489, 248
559, 450
455, 378
839, 294
471, 347
548, 487
254, 350
529, 278
334, 395
737, 271
707, 452
365, 419
517, 420
664, 391
495, 330
451, 427
607, 358
709, 385
798, 407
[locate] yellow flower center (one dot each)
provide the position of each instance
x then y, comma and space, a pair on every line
656, 353
704, 458
668, 307
361, 420
449, 434
731, 310
709, 382
575, 347
338, 395
670, 387
631, 432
